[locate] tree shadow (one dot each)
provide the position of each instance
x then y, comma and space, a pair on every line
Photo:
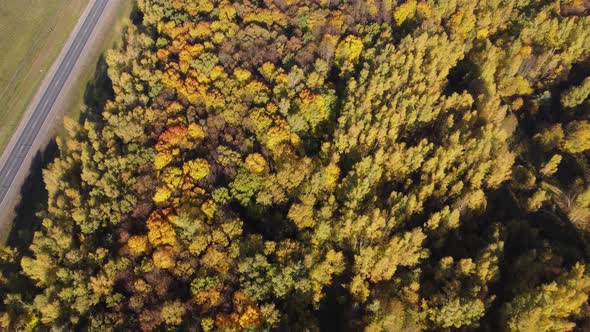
34, 199
34, 194
98, 91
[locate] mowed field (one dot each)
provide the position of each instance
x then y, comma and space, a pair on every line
32, 33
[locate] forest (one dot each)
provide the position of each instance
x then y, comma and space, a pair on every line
322, 165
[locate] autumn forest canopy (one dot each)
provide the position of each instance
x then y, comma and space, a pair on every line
322, 165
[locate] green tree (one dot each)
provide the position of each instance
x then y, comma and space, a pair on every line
551, 307
576, 95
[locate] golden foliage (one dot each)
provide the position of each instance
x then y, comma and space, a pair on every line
163, 258
255, 163
197, 169
138, 244
160, 232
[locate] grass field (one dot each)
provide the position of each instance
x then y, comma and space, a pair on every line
32, 33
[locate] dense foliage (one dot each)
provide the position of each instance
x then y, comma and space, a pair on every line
323, 165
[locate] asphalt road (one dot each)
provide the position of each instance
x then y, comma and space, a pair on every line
37, 119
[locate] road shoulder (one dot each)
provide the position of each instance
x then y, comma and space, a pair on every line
55, 117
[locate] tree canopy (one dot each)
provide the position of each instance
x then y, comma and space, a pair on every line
323, 165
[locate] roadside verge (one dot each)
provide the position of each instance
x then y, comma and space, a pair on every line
54, 119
